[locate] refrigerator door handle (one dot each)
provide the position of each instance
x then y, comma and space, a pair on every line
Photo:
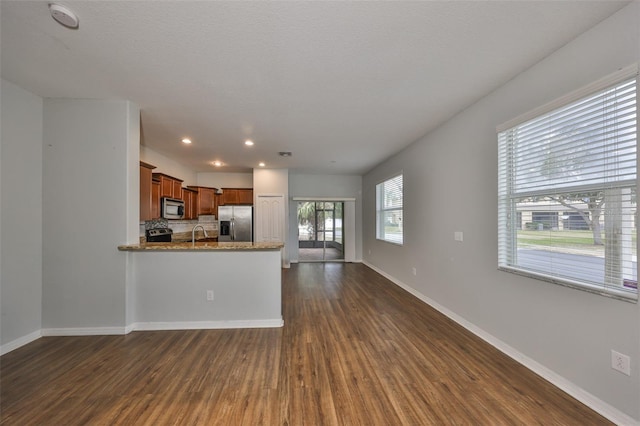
233, 230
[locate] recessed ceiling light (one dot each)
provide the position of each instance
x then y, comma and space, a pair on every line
217, 163
64, 16
261, 164
248, 142
285, 154
186, 140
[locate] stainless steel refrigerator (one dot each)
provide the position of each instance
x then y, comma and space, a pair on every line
236, 223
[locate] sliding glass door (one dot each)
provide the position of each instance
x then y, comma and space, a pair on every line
320, 232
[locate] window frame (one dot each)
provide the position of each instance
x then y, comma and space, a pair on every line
381, 210
507, 230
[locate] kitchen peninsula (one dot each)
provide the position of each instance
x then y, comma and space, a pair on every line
206, 285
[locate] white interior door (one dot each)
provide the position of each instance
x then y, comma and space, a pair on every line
269, 219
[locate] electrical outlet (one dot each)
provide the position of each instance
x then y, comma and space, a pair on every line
458, 236
369, 251
620, 362
414, 271
210, 295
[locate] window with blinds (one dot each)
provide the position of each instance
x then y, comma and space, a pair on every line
567, 190
389, 210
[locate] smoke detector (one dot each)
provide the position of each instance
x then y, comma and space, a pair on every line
64, 16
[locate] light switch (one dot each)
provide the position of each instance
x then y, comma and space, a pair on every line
457, 236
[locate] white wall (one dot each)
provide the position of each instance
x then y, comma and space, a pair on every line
168, 166
450, 183
87, 163
173, 168
21, 217
313, 185
226, 180
172, 287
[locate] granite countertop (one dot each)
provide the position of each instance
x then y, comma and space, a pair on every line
202, 246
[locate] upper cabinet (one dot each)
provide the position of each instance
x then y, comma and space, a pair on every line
169, 186
155, 199
198, 200
206, 200
236, 196
190, 198
146, 205
245, 196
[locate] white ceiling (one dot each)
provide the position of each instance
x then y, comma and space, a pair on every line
343, 85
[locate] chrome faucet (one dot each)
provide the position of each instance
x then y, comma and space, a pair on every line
193, 233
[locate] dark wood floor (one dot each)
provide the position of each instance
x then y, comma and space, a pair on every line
355, 350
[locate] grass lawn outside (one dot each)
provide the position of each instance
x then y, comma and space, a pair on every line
576, 242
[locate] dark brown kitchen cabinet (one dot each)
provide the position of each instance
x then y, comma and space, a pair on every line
169, 186
236, 196
229, 197
206, 200
245, 196
177, 189
190, 198
145, 191
155, 199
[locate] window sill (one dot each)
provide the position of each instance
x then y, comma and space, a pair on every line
626, 296
395, 243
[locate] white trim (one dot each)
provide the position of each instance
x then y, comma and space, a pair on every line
206, 325
323, 199
600, 290
84, 331
144, 326
349, 230
390, 176
603, 83
20, 341
591, 401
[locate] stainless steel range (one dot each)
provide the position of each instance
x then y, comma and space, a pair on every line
159, 235
157, 231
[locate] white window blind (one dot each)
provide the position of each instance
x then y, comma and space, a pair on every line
567, 192
389, 196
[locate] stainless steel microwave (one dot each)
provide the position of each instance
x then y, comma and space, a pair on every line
172, 208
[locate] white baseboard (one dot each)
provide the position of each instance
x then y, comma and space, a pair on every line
351, 261
146, 326
84, 331
206, 325
596, 404
21, 341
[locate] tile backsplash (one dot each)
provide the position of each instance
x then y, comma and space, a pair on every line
182, 228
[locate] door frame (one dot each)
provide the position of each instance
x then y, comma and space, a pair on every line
349, 224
